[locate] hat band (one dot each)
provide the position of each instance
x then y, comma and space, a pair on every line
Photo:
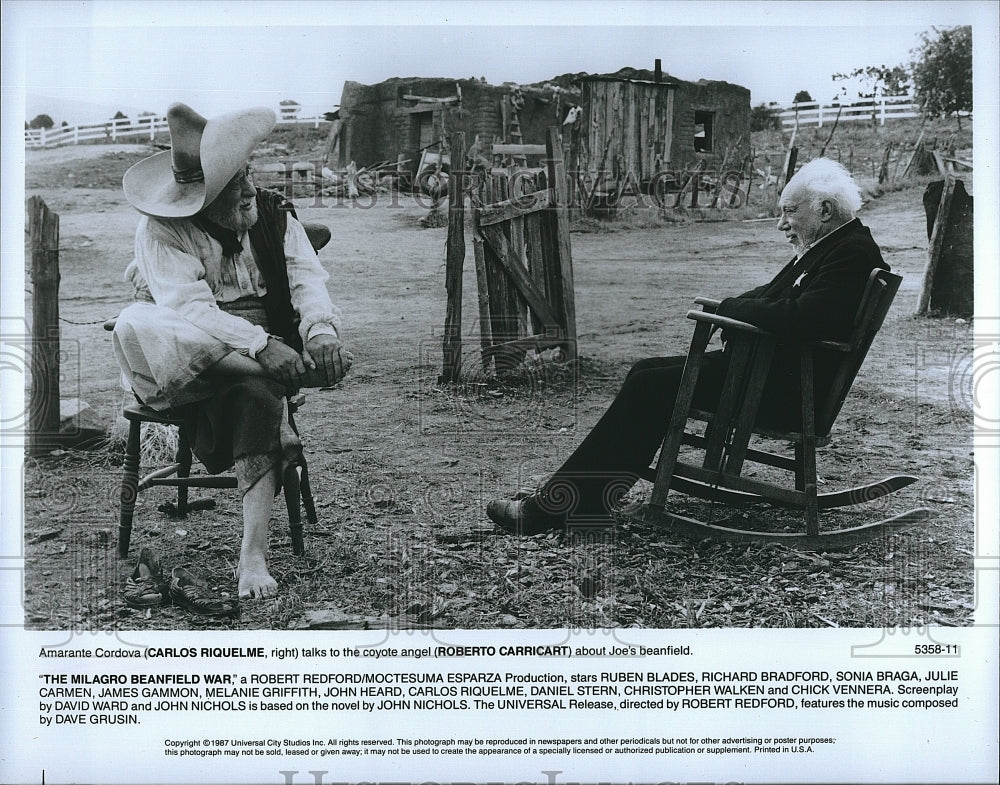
193, 175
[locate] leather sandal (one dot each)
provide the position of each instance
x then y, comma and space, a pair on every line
146, 587
189, 591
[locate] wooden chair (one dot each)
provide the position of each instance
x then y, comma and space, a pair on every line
726, 440
295, 481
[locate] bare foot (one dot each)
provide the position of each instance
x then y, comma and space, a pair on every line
255, 582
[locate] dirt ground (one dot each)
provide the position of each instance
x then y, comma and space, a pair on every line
402, 467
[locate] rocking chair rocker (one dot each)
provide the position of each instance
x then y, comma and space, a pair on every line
729, 429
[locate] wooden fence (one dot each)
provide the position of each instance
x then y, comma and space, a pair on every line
889, 107
123, 128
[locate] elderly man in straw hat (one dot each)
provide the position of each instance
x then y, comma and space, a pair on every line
232, 310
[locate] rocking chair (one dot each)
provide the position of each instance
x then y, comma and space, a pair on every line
728, 431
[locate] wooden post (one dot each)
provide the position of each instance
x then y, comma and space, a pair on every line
564, 263
333, 144
883, 172
936, 243
916, 148
454, 262
793, 157
43, 412
789, 160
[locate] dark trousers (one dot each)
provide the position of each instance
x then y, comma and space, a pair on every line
623, 443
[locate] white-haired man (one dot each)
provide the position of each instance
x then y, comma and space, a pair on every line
815, 296
232, 314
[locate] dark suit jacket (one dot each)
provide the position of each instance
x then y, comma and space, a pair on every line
823, 305
812, 298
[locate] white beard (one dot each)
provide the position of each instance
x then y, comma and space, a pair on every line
236, 219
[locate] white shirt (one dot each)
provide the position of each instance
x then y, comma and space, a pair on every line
180, 266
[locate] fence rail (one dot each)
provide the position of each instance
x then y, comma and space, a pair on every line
123, 128
885, 108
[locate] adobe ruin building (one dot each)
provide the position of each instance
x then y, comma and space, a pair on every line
633, 121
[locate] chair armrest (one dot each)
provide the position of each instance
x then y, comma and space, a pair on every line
837, 346
726, 323
708, 304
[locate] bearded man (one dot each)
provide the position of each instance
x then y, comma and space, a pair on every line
232, 311
814, 297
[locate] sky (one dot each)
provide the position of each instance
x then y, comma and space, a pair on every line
219, 56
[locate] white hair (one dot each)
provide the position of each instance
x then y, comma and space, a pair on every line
826, 180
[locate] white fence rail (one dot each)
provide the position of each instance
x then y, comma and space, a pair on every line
882, 109
123, 128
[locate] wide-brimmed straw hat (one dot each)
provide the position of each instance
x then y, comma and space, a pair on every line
203, 157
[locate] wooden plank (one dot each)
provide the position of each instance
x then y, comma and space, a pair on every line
333, 144
509, 209
534, 254
431, 100
936, 244
518, 149
483, 289
537, 342
507, 258
939, 163
668, 128
454, 261
564, 254
503, 295
420, 108
516, 237
43, 412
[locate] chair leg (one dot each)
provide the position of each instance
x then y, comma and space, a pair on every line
184, 461
130, 487
292, 487
307, 497
679, 416
808, 465
800, 477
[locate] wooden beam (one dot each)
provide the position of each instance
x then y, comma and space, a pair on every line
518, 149
421, 108
540, 341
514, 208
43, 412
564, 261
936, 244
427, 99
454, 261
483, 290
504, 253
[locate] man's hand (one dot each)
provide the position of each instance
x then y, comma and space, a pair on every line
283, 363
326, 354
